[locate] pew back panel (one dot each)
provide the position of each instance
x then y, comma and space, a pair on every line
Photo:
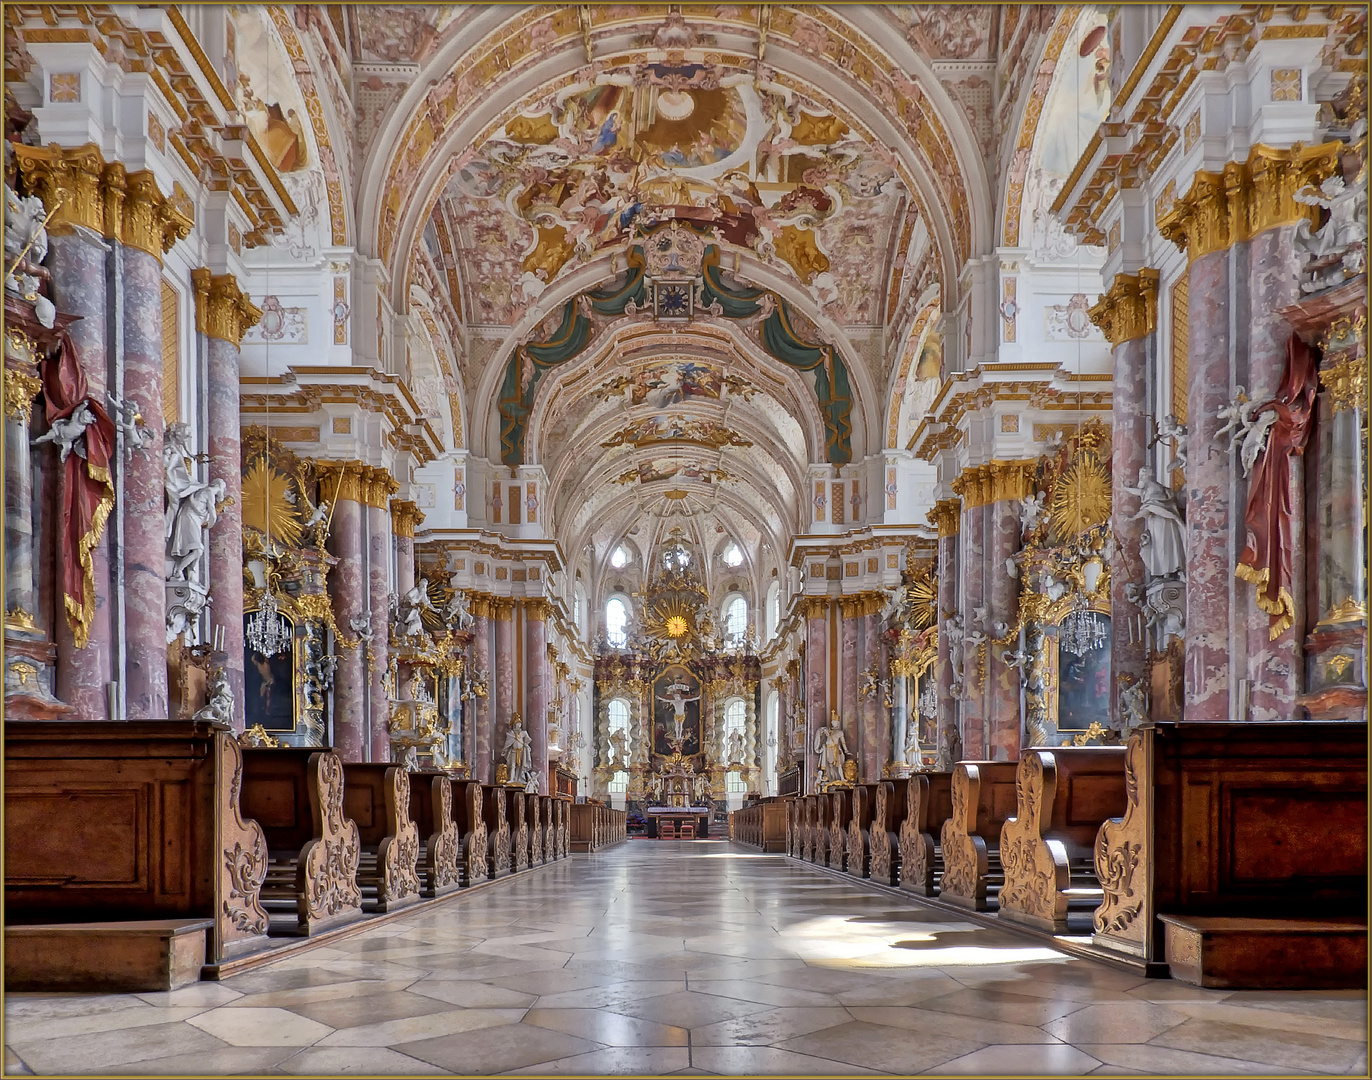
928, 804
983, 796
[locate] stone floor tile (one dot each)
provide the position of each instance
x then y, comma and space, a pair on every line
417, 1028
208, 994
769, 1061
552, 982
123, 1046
611, 995
616, 1061
14, 1064
22, 1006
1116, 1022
371, 1009
1276, 1018
1053, 1059
29, 1029
244, 1060
765, 993
772, 1026
499, 1049
306, 995
996, 1005
689, 1009
472, 995
972, 1028
1280, 1049
357, 1061
887, 1049
260, 1027
609, 1028
911, 990
1163, 1061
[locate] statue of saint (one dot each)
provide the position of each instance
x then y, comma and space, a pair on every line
1163, 546
832, 748
619, 756
518, 751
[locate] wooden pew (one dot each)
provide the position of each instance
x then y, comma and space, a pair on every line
928, 804
545, 828
582, 827
791, 831
822, 810
561, 815
126, 849
515, 802
861, 802
533, 818
296, 795
983, 797
440, 840
469, 803
1047, 849
888, 815
840, 809
497, 830
377, 797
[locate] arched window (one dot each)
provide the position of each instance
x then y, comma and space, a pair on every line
618, 713
735, 716
773, 608
617, 621
619, 558
579, 608
736, 618
773, 734
732, 555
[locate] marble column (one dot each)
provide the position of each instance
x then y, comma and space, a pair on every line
404, 517
878, 745
223, 313
480, 725
341, 484
77, 262
816, 681
504, 689
947, 519
145, 545
1011, 481
21, 385
380, 486
536, 678
847, 694
1214, 522
973, 719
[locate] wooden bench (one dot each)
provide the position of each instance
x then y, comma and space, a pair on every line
469, 804
821, 809
440, 839
983, 796
840, 809
561, 816
582, 827
296, 795
377, 797
515, 803
533, 820
888, 815
1047, 850
135, 825
928, 804
493, 809
861, 802
1241, 858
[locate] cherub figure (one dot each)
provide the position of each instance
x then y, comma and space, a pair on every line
129, 421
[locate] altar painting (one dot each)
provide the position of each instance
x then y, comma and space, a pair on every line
673, 684
269, 696
1083, 683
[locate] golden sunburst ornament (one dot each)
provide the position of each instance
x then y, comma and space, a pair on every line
1081, 497
676, 626
265, 501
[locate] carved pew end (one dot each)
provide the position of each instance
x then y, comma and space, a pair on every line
1267, 954
112, 957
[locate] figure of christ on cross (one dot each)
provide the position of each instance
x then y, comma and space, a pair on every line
675, 697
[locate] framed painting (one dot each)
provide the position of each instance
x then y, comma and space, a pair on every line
270, 697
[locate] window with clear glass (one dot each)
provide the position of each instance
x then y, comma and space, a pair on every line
736, 617
732, 555
773, 608
617, 621
619, 558
618, 715
735, 717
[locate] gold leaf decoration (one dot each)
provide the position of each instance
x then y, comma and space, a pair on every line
1081, 497
265, 502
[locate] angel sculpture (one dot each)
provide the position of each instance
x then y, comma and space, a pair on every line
361, 625
1031, 512
318, 521
1255, 439
1019, 660
457, 613
1172, 428
1347, 223
219, 707
1238, 417
64, 433
413, 606
128, 420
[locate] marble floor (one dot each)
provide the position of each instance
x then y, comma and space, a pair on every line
686, 958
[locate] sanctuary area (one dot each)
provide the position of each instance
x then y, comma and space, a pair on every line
915, 453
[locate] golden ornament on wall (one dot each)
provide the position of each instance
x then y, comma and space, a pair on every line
1081, 497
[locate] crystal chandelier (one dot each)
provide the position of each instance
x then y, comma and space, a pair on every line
267, 632
1083, 630
928, 698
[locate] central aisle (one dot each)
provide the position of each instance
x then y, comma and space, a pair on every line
653, 957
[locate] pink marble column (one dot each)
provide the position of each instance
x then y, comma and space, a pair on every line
145, 546
226, 538
348, 588
1129, 453
404, 563
973, 726
77, 261
1274, 664
876, 729
504, 674
379, 589
816, 687
480, 723
947, 714
1211, 503
1002, 681
536, 679
848, 692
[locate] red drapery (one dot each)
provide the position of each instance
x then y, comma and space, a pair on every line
1270, 548
87, 488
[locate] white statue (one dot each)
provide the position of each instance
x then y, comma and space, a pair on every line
532, 787
1133, 705
677, 700
518, 750
1031, 512
128, 419
409, 757
1347, 222
457, 613
619, 754
65, 433
1019, 660
832, 748
736, 749
1172, 428
952, 629
1255, 439
184, 605
26, 246
655, 785
219, 707
700, 789
1238, 417
412, 607
439, 755
1163, 546
361, 625
196, 512
318, 521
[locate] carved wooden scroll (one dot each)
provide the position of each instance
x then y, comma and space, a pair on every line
519, 830
443, 849
882, 842
1035, 876
805, 815
964, 852
859, 830
792, 829
534, 822
1121, 858
819, 830
498, 832
839, 803
560, 818
475, 854
398, 853
326, 872
240, 921
927, 806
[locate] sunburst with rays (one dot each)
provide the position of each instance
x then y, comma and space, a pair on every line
267, 506
1081, 496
